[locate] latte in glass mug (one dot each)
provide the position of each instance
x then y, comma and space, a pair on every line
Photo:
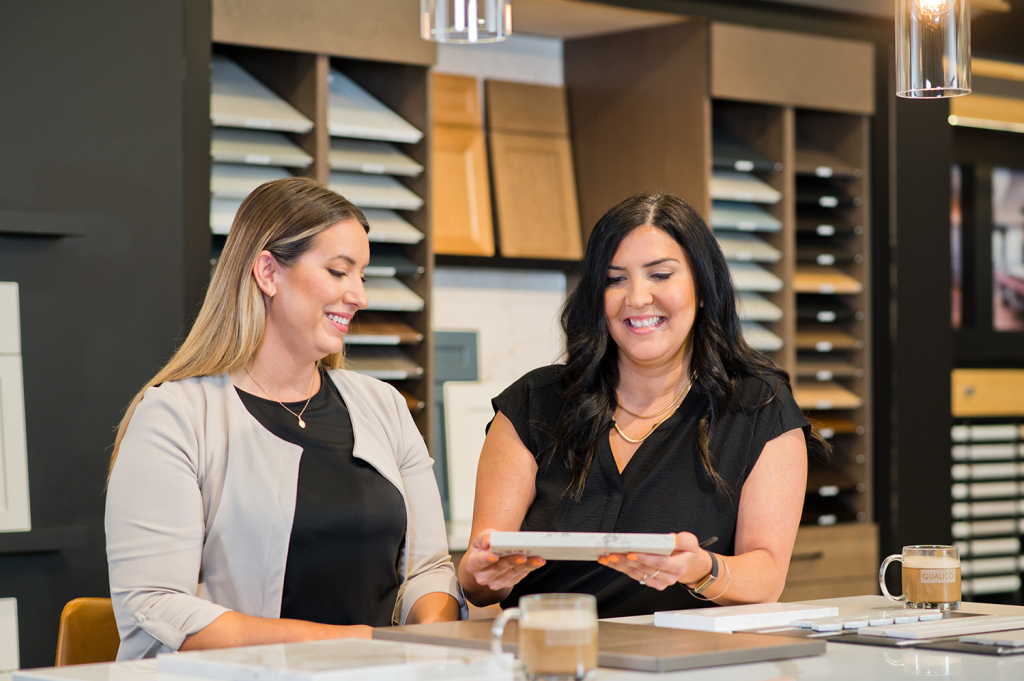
557, 635
931, 577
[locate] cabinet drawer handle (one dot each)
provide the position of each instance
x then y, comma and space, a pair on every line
817, 555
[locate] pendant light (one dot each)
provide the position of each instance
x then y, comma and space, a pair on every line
933, 48
465, 21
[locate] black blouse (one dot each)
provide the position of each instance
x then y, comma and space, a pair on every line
350, 521
663, 487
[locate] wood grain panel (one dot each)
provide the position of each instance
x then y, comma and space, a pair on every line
461, 199
987, 111
577, 19
866, 585
535, 194
640, 116
781, 67
520, 107
988, 392
456, 100
382, 30
845, 550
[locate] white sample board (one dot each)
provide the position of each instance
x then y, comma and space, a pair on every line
727, 186
392, 295
239, 100
222, 214
374, 191
760, 338
387, 226
743, 217
234, 181
747, 276
256, 147
579, 545
14, 500
746, 247
9, 660
374, 158
739, 617
354, 112
753, 307
467, 411
386, 363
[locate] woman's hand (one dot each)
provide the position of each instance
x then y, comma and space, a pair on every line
492, 572
688, 564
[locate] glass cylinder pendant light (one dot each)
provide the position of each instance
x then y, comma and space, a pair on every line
933, 48
465, 21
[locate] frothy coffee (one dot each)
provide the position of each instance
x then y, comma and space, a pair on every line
931, 580
558, 643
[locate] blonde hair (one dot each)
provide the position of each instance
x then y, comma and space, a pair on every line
282, 217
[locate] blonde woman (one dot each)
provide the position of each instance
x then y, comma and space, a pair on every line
258, 493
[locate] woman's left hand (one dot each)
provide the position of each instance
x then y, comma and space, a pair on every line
688, 564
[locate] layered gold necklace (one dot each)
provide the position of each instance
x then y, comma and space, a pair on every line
671, 409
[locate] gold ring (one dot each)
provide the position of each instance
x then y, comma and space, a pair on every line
643, 580
656, 573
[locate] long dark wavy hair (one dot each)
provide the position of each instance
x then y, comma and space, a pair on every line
720, 355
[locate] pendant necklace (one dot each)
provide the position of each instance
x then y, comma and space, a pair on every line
302, 424
675, 403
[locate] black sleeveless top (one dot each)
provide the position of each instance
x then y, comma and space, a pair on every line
663, 487
350, 521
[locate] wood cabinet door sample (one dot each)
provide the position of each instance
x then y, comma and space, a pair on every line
461, 205
535, 194
456, 101
518, 107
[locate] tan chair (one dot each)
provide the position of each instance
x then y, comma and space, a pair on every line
88, 632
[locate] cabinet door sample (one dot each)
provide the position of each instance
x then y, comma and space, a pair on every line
760, 338
382, 362
238, 99
456, 101
369, 156
387, 226
381, 328
824, 396
825, 339
222, 214
535, 193
754, 307
257, 147
827, 280
729, 186
750, 277
529, 109
743, 217
461, 205
234, 181
390, 294
374, 191
746, 247
387, 260
14, 501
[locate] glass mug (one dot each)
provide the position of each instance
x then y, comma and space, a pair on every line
931, 577
557, 635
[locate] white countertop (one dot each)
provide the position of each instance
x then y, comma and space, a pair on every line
842, 662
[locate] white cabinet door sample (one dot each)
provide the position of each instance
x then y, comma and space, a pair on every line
14, 507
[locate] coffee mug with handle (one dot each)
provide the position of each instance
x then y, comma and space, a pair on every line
931, 577
557, 635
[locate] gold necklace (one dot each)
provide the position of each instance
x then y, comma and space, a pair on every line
654, 416
302, 424
655, 426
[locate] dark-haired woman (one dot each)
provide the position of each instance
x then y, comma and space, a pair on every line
662, 420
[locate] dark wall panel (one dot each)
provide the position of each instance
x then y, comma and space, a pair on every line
94, 119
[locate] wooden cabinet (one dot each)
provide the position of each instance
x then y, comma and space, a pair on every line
461, 201
829, 562
534, 182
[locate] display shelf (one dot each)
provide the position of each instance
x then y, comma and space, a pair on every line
729, 153
381, 328
760, 338
374, 191
748, 276
744, 247
222, 214
830, 425
830, 483
825, 339
824, 193
387, 226
817, 369
731, 186
256, 147
821, 163
386, 363
234, 181
354, 112
813, 222
756, 308
826, 396
824, 280
237, 99
415, 404
826, 252
372, 157
391, 295
732, 215
388, 260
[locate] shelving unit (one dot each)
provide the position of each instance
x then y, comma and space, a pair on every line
359, 127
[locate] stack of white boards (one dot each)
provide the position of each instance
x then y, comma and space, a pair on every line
741, 617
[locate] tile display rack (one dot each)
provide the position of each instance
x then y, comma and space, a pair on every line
987, 467
357, 127
793, 180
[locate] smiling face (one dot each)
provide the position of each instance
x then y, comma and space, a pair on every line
650, 300
314, 300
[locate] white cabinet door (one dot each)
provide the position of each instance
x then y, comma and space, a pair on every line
14, 507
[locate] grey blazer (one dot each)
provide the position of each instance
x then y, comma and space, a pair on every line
201, 501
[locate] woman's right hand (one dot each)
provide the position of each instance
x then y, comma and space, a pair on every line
495, 573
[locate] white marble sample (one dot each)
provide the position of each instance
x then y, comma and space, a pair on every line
579, 545
739, 617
